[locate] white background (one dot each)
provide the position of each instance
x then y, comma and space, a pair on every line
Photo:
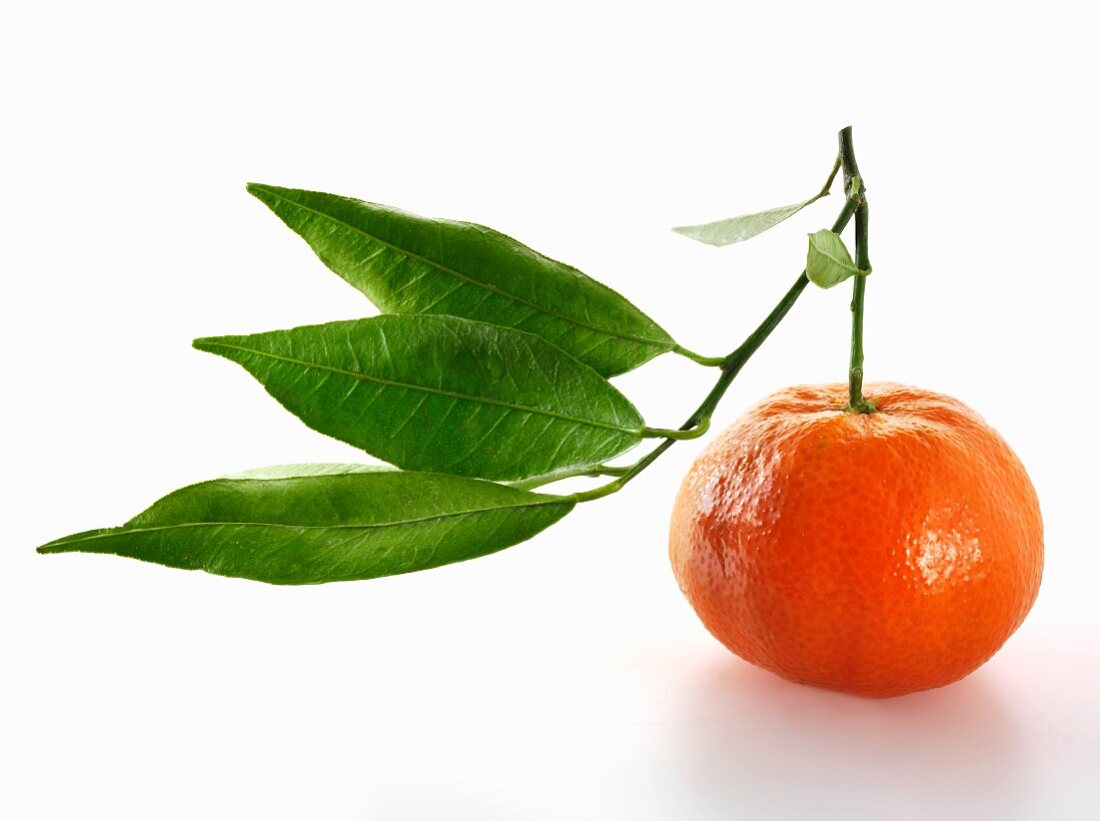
565, 678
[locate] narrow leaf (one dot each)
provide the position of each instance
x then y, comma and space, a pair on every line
738, 229
407, 264
313, 524
828, 262
442, 393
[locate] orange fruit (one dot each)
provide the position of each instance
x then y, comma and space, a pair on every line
877, 554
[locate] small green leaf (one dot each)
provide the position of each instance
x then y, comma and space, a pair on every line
738, 229
828, 262
442, 393
407, 264
308, 524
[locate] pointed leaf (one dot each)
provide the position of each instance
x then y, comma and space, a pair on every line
442, 393
407, 264
738, 229
313, 524
828, 262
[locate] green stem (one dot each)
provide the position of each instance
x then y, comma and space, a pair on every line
856, 401
731, 366
665, 433
832, 176
709, 361
846, 214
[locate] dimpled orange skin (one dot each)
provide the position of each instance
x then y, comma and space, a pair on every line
876, 554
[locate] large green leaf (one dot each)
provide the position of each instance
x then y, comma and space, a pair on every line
407, 264
442, 393
309, 524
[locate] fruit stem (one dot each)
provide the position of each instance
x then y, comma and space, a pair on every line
731, 366
853, 182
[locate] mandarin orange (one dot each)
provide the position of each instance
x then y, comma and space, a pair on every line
878, 554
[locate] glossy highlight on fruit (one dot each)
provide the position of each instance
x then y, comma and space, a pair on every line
877, 554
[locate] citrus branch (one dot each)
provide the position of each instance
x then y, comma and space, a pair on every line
732, 364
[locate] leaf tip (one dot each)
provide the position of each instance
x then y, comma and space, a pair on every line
696, 233
205, 343
262, 191
62, 545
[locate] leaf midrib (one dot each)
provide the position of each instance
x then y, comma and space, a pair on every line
841, 263
124, 530
208, 344
487, 286
788, 211
745, 218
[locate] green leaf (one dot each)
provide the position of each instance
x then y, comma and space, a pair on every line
407, 264
738, 229
310, 524
828, 262
442, 393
